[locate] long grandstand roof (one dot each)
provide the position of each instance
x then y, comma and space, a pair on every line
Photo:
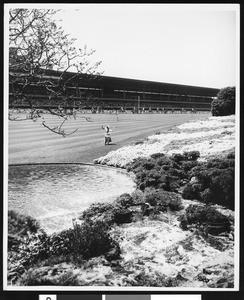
117, 83
161, 87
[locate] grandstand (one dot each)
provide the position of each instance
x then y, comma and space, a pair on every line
114, 93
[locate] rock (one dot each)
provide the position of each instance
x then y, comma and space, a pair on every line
207, 271
146, 209
222, 280
180, 277
114, 263
113, 254
202, 277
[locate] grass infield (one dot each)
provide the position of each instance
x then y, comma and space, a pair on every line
30, 142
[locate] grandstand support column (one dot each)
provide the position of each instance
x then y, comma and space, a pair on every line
138, 97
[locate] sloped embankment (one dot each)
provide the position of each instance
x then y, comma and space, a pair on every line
212, 136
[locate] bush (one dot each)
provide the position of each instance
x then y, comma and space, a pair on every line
162, 171
192, 155
157, 155
110, 213
186, 156
21, 224
191, 192
34, 277
19, 227
215, 182
125, 200
158, 171
90, 238
186, 166
162, 200
224, 105
98, 210
205, 215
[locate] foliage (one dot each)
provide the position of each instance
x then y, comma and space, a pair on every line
96, 210
125, 200
224, 104
34, 277
204, 215
20, 225
162, 200
214, 182
88, 239
116, 212
186, 156
156, 279
163, 172
191, 191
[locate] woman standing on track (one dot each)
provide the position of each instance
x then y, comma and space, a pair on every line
107, 134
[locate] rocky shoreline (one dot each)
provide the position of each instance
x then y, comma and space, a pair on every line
150, 238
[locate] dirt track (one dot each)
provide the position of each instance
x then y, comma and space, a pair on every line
30, 142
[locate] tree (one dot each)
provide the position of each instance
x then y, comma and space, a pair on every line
224, 104
43, 59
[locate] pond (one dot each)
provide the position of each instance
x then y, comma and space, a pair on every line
55, 194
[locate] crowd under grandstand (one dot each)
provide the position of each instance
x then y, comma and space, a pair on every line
113, 93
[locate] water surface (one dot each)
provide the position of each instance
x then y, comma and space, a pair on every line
56, 193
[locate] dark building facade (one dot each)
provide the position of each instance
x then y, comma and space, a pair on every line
108, 92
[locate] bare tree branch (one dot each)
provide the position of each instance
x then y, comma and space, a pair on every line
38, 46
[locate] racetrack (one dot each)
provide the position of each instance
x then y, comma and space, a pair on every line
30, 142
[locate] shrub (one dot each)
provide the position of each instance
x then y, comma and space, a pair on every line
215, 182
178, 157
187, 166
19, 227
192, 155
206, 196
90, 238
223, 163
33, 277
110, 213
125, 200
224, 104
162, 200
204, 215
137, 196
191, 192
164, 172
186, 156
21, 224
97, 210
163, 161
231, 155
30, 278
222, 187
157, 155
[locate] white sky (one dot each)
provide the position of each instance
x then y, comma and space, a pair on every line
184, 44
